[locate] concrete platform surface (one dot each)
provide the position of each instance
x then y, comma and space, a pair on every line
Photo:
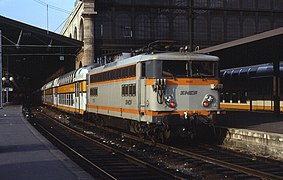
26, 154
258, 121
257, 133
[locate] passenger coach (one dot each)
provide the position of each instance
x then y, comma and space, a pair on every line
68, 92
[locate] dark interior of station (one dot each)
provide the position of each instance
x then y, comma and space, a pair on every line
31, 56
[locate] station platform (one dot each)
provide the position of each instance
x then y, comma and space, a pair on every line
26, 154
257, 133
256, 120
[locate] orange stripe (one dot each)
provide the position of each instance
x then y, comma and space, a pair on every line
148, 113
70, 109
116, 80
70, 88
83, 86
185, 81
247, 107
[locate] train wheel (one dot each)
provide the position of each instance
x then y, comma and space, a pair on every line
158, 134
166, 134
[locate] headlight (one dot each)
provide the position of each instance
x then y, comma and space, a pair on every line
169, 100
207, 100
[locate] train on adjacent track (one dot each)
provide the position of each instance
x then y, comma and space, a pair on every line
152, 94
249, 88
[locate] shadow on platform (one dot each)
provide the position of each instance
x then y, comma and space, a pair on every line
24, 148
261, 121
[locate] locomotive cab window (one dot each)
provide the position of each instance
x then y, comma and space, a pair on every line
179, 69
204, 69
175, 69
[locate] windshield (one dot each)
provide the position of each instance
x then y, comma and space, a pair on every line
175, 69
203, 69
195, 69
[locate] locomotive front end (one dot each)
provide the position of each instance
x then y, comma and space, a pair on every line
182, 90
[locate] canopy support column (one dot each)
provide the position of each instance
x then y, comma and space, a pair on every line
276, 87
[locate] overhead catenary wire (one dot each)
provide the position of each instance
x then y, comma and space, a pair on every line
54, 8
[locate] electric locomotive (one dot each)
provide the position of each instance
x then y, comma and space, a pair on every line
155, 94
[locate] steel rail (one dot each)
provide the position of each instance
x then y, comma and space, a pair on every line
129, 157
224, 164
78, 154
193, 155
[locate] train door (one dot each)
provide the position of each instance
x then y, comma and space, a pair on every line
56, 96
77, 97
141, 88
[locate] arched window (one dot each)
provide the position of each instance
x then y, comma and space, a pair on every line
200, 28
232, 4
233, 28
81, 36
278, 4
123, 27
278, 22
159, 2
161, 29
264, 4
264, 24
70, 35
180, 2
217, 29
75, 33
180, 28
142, 25
216, 3
248, 4
248, 26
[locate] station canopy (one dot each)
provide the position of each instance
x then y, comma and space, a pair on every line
260, 48
31, 55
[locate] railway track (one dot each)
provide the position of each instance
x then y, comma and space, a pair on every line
99, 159
195, 162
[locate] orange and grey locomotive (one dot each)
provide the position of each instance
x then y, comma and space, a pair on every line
151, 94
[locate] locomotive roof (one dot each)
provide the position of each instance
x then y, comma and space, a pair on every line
175, 56
179, 56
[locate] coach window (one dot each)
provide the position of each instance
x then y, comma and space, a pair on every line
132, 71
234, 97
56, 92
127, 90
93, 91
243, 96
221, 97
227, 97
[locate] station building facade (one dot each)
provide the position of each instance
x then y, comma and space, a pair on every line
111, 26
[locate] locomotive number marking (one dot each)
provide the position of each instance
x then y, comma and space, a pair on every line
128, 102
184, 93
